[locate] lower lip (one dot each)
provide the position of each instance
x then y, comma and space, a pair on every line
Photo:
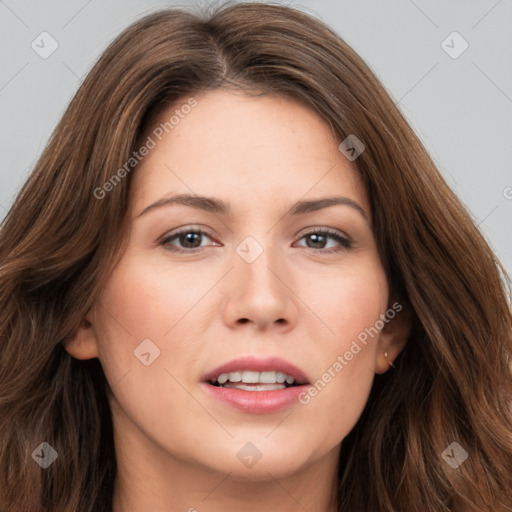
257, 402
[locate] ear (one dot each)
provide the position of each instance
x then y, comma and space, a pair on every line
84, 344
393, 336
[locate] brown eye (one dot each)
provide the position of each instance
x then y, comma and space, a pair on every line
319, 238
189, 240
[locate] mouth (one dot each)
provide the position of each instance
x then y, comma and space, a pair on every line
248, 380
255, 385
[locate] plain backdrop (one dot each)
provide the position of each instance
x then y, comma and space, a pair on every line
447, 64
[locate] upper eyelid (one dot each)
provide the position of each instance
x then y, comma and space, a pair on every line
186, 229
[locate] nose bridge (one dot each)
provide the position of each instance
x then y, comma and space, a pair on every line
259, 289
257, 263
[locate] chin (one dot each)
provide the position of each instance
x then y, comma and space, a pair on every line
248, 463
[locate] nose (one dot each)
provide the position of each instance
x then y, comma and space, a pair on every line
261, 294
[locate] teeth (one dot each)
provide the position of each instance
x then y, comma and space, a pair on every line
267, 377
235, 376
280, 377
222, 378
250, 377
254, 387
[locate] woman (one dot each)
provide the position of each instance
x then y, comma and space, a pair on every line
236, 280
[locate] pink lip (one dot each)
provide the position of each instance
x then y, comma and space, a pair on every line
256, 401
257, 364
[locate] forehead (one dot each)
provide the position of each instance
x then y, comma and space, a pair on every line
247, 149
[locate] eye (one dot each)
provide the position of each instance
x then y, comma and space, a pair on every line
319, 238
189, 238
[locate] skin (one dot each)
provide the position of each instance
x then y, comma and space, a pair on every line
176, 446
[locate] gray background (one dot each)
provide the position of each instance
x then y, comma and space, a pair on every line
460, 107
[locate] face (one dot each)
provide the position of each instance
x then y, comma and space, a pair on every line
262, 272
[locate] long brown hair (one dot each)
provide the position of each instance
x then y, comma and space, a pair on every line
452, 382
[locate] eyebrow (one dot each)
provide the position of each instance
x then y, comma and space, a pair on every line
220, 207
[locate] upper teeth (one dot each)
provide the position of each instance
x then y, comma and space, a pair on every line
250, 377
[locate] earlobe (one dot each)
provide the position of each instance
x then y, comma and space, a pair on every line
392, 340
84, 344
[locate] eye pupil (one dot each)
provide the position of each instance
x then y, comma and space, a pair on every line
189, 237
316, 237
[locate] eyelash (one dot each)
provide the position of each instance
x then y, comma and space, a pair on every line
344, 242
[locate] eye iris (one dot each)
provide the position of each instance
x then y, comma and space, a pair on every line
189, 238
316, 237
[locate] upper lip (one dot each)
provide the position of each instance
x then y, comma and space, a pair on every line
258, 364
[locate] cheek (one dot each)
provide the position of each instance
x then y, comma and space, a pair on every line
350, 306
145, 300
137, 304
140, 317
349, 302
